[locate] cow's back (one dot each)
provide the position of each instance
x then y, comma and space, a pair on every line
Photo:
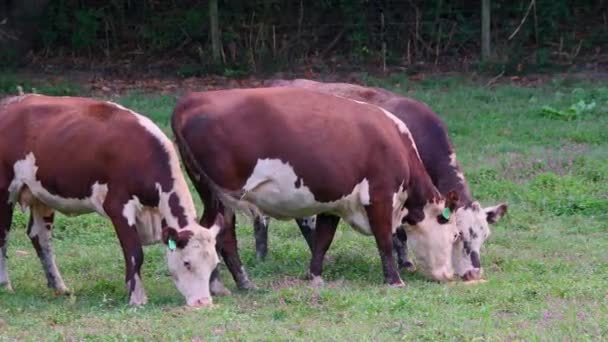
427, 129
73, 143
327, 140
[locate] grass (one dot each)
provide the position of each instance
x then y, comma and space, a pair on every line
547, 261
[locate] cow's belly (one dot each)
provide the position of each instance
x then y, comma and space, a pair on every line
277, 191
24, 188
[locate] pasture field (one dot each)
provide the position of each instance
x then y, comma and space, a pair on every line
542, 149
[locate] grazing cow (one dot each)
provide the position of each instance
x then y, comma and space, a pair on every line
288, 153
439, 159
77, 156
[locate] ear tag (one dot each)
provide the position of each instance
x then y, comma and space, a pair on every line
172, 245
446, 213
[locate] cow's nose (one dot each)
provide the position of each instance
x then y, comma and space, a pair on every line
472, 274
201, 303
443, 275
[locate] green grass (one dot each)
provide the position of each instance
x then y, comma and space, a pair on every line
547, 261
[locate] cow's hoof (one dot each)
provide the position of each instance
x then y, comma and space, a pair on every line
397, 284
408, 266
260, 257
317, 281
218, 288
247, 286
138, 302
62, 292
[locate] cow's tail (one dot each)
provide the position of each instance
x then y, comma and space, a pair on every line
232, 200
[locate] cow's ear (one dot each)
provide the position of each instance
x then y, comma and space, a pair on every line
495, 213
218, 225
174, 239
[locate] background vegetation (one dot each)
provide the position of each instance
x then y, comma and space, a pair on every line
327, 35
546, 261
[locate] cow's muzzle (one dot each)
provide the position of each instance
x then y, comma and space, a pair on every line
201, 303
472, 274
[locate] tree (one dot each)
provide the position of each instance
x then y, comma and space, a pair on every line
485, 30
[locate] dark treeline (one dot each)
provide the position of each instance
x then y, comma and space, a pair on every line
242, 36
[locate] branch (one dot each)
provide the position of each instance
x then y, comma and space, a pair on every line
532, 3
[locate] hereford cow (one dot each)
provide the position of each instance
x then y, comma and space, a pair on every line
78, 155
289, 153
439, 159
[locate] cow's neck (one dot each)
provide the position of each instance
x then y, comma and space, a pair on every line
421, 189
177, 207
451, 178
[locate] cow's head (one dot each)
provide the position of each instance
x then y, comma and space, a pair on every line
191, 257
473, 223
432, 233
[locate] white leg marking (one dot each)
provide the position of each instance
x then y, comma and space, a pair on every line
47, 257
4, 279
138, 296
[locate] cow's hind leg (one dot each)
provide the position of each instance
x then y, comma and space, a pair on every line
6, 216
400, 248
39, 231
380, 219
323, 236
260, 231
131, 248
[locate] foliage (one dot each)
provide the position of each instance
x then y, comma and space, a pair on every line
545, 261
265, 35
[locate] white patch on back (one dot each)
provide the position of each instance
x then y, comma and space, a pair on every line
272, 189
454, 164
25, 175
401, 126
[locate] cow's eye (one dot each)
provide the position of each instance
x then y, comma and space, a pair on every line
187, 264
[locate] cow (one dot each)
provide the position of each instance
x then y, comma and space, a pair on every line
289, 153
439, 158
77, 155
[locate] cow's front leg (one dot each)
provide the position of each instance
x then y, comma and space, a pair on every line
39, 231
380, 219
6, 216
400, 248
307, 227
260, 230
131, 248
228, 247
323, 236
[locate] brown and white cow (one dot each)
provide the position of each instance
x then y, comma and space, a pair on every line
439, 159
77, 156
288, 153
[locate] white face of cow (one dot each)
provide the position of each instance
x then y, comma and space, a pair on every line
473, 224
432, 241
191, 257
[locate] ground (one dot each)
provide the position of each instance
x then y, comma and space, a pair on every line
546, 261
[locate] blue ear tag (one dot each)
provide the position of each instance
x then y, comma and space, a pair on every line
172, 245
446, 213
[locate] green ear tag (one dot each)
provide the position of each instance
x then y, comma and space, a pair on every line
171, 244
446, 213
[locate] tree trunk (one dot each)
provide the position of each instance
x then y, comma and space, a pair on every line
485, 30
20, 27
214, 29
